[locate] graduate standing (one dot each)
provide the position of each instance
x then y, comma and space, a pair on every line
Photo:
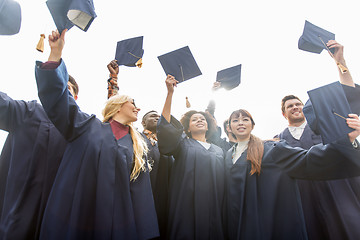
197, 177
102, 189
263, 200
331, 208
28, 164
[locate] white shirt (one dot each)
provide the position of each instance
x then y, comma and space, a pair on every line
205, 144
239, 148
297, 132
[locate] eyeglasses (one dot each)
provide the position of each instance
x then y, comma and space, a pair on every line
133, 103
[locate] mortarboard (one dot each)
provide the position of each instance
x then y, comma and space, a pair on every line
180, 64
129, 52
326, 112
67, 13
10, 17
314, 38
230, 77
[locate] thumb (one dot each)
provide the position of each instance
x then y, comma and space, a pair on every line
62, 36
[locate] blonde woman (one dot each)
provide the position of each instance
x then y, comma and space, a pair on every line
102, 189
263, 200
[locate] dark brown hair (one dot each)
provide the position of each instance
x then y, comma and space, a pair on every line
255, 150
185, 121
74, 85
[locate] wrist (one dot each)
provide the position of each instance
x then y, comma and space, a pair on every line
55, 56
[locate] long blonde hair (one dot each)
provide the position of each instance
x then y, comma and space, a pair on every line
255, 150
112, 106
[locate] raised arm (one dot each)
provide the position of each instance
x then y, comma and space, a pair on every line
113, 87
345, 78
56, 43
54, 95
170, 84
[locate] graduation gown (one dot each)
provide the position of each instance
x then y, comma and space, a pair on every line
28, 165
160, 177
331, 208
196, 184
92, 196
268, 206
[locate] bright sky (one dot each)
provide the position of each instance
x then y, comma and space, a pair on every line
261, 35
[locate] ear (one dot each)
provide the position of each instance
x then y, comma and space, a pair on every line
284, 115
143, 123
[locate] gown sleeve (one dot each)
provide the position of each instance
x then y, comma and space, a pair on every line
170, 134
321, 162
58, 103
14, 112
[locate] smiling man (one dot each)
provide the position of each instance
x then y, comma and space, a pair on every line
331, 208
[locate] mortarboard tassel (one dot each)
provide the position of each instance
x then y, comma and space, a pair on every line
342, 68
139, 63
188, 105
40, 45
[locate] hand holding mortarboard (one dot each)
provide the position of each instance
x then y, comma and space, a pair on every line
354, 123
171, 83
56, 43
314, 40
338, 49
113, 68
216, 86
113, 87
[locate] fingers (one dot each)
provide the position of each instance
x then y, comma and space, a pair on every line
63, 34
334, 44
55, 35
353, 121
170, 80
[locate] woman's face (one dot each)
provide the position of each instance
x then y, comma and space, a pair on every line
197, 124
129, 111
241, 127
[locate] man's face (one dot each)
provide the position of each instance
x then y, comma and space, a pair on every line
293, 111
150, 121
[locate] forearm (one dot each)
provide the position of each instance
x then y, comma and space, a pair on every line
345, 78
167, 107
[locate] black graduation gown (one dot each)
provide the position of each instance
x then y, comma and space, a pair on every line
268, 206
331, 208
92, 196
28, 165
196, 184
160, 177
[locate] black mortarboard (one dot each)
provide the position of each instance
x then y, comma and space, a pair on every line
129, 52
326, 112
314, 38
10, 17
230, 77
67, 13
180, 64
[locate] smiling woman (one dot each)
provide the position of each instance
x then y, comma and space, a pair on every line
262, 196
102, 189
196, 194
